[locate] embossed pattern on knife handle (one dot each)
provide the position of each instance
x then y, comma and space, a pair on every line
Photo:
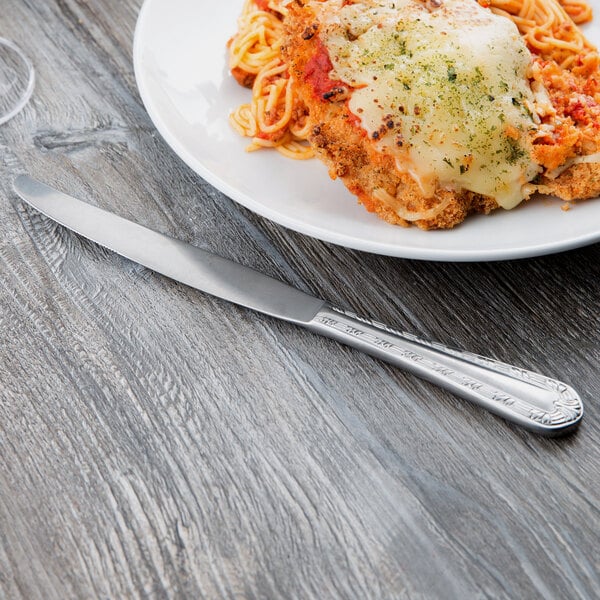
536, 402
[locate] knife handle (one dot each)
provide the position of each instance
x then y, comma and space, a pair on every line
538, 403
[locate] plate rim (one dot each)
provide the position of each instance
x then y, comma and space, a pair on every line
327, 235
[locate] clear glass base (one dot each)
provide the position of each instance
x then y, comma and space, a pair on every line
17, 79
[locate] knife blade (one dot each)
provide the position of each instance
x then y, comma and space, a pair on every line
534, 401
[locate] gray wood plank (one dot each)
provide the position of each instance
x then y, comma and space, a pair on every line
160, 443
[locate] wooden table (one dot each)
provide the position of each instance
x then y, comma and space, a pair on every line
160, 443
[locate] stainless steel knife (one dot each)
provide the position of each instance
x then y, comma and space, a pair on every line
536, 402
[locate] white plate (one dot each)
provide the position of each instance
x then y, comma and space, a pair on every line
181, 69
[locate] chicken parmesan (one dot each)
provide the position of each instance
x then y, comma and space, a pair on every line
429, 110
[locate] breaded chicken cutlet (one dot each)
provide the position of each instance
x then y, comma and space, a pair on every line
429, 110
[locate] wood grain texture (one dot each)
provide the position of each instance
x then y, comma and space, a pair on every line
159, 443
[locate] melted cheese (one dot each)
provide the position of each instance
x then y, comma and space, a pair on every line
443, 89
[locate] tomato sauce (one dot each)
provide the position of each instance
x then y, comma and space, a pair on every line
317, 72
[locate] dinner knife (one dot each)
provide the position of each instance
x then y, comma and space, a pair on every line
531, 400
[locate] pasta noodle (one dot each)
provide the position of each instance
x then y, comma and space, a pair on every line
549, 27
276, 118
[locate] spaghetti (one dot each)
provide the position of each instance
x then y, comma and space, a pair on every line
275, 117
549, 27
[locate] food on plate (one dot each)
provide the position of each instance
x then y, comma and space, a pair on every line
275, 117
427, 110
